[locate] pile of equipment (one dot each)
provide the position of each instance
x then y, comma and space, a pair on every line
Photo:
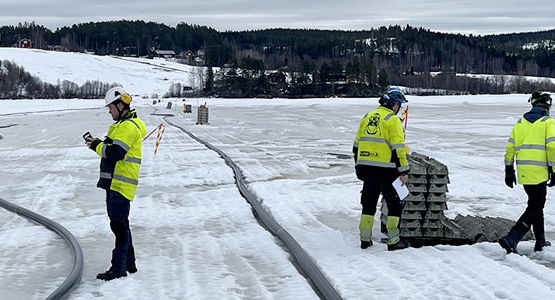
423, 220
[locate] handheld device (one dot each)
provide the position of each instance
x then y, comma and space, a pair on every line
87, 135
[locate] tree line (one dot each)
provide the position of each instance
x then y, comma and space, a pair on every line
406, 55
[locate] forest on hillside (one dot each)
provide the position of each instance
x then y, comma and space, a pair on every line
320, 62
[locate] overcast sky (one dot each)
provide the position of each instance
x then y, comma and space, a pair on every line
478, 17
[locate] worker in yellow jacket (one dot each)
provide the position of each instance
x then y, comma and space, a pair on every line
532, 141
380, 159
119, 176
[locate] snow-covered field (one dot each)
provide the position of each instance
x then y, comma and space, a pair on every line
196, 237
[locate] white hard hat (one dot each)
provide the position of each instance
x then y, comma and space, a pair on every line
117, 93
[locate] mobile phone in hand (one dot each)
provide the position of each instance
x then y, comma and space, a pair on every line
87, 136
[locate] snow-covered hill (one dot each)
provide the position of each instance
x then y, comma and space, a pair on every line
140, 76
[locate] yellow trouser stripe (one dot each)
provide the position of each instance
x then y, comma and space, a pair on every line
392, 230
365, 226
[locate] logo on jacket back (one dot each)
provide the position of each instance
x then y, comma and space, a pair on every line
372, 127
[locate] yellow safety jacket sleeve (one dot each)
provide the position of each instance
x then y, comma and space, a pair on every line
380, 141
533, 146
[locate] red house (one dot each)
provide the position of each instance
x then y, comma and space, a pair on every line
24, 43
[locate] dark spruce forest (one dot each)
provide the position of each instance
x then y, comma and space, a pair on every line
317, 63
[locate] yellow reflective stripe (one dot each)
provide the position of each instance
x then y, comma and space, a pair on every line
103, 150
392, 237
132, 160
361, 161
549, 140
121, 144
126, 179
365, 226
531, 163
398, 146
530, 147
355, 144
388, 117
511, 140
392, 226
374, 140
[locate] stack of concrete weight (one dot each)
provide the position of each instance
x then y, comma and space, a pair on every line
202, 115
422, 215
487, 229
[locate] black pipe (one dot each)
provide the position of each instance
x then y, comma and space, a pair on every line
78, 262
305, 261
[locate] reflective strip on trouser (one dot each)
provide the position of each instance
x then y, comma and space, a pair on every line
392, 230
365, 226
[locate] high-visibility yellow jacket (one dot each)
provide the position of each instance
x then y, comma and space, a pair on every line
532, 141
380, 141
121, 155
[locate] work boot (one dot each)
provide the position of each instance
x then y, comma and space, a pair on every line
510, 241
111, 274
540, 243
132, 269
365, 244
402, 244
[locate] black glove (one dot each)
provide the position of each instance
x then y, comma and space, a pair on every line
94, 143
551, 181
510, 176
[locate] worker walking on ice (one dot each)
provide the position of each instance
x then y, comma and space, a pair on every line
380, 159
532, 141
119, 176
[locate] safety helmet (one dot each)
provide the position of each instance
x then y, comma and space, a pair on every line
540, 99
393, 95
115, 94
393, 88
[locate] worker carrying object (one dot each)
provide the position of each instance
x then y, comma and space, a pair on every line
119, 176
532, 141
380, 159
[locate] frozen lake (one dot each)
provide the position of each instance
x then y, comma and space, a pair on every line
196, 237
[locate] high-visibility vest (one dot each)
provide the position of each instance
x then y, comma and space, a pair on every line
533, 144
121, 156
379, 134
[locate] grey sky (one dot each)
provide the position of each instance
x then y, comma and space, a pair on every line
478, 17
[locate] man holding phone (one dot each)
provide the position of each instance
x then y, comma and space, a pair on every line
119, 176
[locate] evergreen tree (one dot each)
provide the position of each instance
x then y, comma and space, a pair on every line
383, 80
208, 88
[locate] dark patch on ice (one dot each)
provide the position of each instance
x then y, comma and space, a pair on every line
162, 115
341, 156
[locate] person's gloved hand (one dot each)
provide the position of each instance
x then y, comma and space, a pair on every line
510, 177
92, 143
551, 181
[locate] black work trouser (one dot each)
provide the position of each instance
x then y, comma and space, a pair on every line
378, 180
123, 255
533, 215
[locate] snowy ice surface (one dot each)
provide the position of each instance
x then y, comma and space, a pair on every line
196, 237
